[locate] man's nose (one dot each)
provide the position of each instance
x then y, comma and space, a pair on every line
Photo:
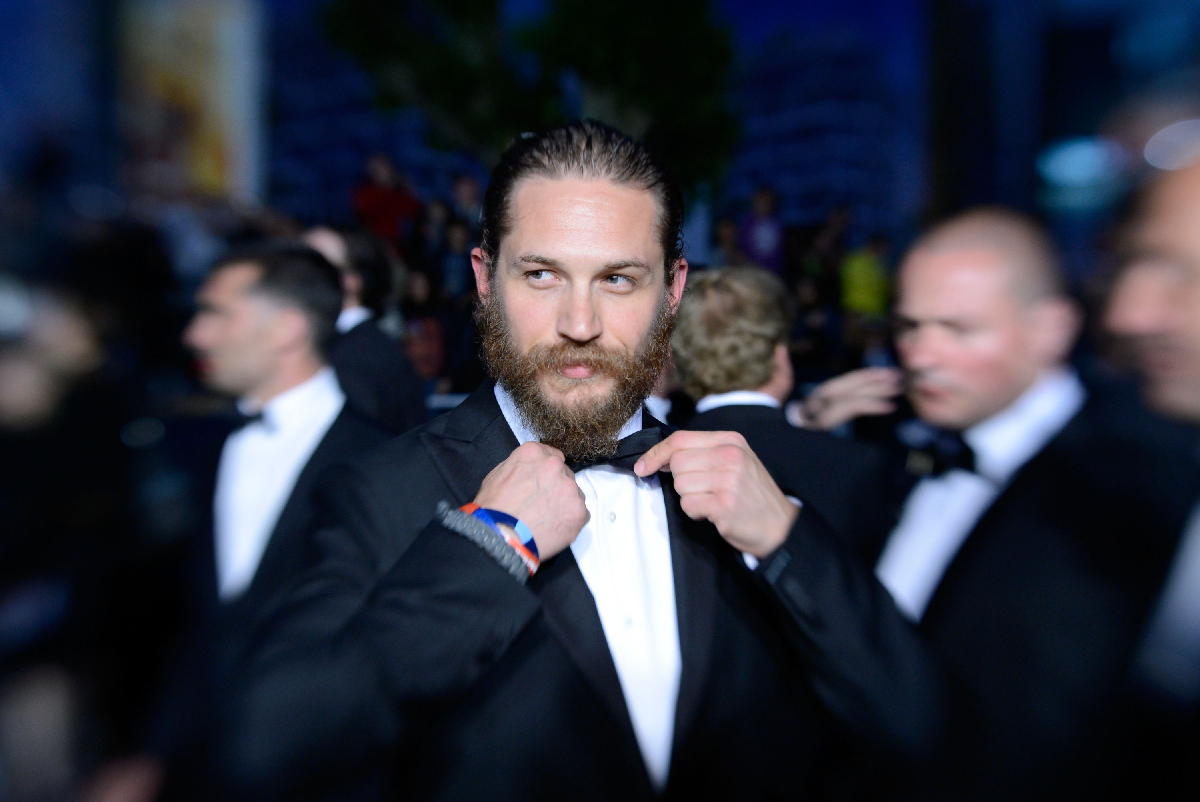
1137, 304
192, 335
920, 349
579, 319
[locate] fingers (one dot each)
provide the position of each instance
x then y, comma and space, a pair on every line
660, 456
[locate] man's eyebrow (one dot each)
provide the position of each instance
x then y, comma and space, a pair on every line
535, 259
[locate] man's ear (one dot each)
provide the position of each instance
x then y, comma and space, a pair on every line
678, 282
1058, 324
479, 264
290, 330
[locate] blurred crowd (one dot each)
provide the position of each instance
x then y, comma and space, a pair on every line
120, 361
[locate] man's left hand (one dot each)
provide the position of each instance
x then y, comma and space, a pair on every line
720, 479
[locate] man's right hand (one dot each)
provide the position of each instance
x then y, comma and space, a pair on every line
869, 391
535, 485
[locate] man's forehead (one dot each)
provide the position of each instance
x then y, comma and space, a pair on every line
561, 218
956, 282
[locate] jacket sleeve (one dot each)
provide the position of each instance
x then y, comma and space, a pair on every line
871, 668
320, 697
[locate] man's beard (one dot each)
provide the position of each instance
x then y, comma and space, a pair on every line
587, 429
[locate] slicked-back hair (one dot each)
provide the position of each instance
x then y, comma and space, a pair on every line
295, 275
589, 150
728, 326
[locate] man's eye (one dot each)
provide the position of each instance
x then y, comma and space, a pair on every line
618, 280
538, 275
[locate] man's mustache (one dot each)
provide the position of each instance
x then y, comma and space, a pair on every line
596, 358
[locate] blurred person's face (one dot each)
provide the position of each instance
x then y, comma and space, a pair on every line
969, 345
1155, 304
763, 204
458, 237
381, 172
466, 193
436, 213
576, 318
236, 334
726, 235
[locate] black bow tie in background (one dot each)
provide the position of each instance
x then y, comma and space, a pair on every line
629, 450
947, 451
241, 420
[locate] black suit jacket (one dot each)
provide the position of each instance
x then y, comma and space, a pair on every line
829, 473
1033, 625
180, 730
378, 379
409, 643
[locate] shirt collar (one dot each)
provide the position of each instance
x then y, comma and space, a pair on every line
315, 393
522, 432
1008, 439
737, 397
349, 318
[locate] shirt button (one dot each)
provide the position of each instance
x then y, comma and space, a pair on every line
612, 516
628, 623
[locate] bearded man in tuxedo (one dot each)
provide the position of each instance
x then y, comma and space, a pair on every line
511, 604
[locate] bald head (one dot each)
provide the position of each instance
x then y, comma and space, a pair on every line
1019, 245
1155, 305
980, 316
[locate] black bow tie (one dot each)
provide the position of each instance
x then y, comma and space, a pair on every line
241, 420
629, 450
947, 451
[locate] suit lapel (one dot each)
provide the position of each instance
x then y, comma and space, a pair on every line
475, 439
695, 568
285, 550
570, 614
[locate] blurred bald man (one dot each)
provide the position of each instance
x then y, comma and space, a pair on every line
1028, 551
1155, 311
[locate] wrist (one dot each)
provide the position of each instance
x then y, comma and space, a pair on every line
511, 529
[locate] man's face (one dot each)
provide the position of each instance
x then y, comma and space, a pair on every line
969, 347
577, 307
1155, 305
231, 332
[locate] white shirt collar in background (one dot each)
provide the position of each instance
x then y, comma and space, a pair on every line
258, 469
349, 318
624, 554
1010, 438
742, 397
941, 511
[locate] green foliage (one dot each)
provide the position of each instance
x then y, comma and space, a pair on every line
658, 70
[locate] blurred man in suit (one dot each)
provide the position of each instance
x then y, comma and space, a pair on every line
372, 368
1155, 311
1030, 546
731, 350
263, 327
575, 629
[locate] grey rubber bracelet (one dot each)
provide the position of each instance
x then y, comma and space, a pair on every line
482, 536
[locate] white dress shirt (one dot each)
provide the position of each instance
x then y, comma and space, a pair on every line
624, 554
1169, 657
258, 469
737, 397
941, 511
349, 318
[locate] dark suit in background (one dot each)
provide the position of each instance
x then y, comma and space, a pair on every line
180, 730
378, 379
409, 644
1034, 622
831, 473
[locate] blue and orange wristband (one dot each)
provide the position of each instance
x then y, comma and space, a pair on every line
520, 538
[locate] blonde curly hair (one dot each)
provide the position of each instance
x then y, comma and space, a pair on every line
728, 325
